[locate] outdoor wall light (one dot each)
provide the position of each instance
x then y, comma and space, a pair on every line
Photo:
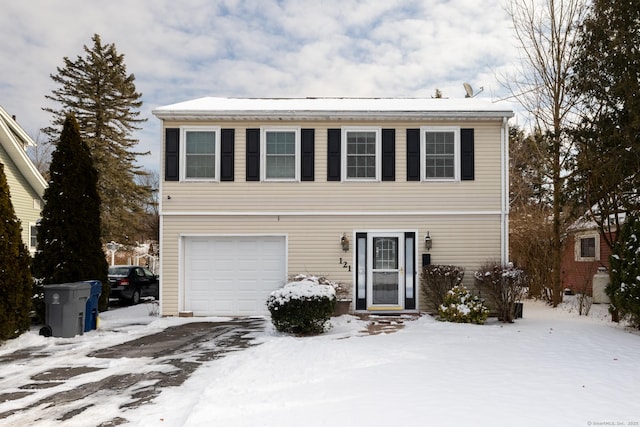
427, 241
344, 242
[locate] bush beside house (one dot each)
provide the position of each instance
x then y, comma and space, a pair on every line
461, 306
504, 287
302, 307
437, 280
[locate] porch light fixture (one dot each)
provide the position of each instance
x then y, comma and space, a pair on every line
344, 242
427, 241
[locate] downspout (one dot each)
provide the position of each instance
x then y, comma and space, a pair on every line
161, 220
504, 209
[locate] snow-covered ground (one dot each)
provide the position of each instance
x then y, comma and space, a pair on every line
551, 368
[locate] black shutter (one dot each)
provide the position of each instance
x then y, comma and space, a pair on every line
307, 157
413, 154
467, 155
253, 154
388, 154
226, 154
172, 154
333, 154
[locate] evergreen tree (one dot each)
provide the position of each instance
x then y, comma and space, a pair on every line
103, 97
607, 77
15, 278
69, 248
624, 287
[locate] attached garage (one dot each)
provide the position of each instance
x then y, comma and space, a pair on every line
232, 275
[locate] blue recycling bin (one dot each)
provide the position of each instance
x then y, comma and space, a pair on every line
91, 312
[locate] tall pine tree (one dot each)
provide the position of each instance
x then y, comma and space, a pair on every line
69, 248
103, 97
15, 278
607, 77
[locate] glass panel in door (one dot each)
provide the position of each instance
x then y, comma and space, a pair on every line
386, 269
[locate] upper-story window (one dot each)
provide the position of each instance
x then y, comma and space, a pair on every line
201, 153
440, 153
361, 154
281, 148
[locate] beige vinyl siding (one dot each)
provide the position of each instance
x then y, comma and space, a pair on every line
482, 194
26, 203
462, 217
313, 242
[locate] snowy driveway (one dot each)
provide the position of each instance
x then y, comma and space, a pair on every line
59, 378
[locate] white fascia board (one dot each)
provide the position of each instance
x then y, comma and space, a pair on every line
17, 153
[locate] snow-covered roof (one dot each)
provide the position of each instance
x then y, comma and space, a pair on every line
587, 221
326, 108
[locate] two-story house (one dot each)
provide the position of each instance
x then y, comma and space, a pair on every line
25, 182
361, 191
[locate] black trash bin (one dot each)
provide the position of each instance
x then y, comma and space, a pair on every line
65, 307
91, 312
517, 310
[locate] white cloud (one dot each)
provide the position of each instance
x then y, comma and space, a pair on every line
192, 48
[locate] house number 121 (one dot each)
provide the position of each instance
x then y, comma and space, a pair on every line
345, 264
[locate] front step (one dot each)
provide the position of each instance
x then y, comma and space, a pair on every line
386, 324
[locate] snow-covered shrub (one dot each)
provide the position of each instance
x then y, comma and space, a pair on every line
437, 280
504, 285
302, 307
342, 291
461, 306
624, 286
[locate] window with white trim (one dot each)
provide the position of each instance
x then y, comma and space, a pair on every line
440, 153
33, 236
201, 154
587, 247
361, 154
280, 154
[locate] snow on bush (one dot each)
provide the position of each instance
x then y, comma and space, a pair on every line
342, 291
505, 286
302, 306
461, 306
437, 280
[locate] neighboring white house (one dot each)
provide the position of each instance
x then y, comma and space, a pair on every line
25, 182
362, 191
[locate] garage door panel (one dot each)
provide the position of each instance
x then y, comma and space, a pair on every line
232, 275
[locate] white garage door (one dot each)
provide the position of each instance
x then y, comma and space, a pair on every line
232, 275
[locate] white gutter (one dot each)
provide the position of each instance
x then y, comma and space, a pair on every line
326, 115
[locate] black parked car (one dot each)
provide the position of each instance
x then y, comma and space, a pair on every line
129, 283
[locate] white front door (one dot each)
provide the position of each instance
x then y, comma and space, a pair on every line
386, 276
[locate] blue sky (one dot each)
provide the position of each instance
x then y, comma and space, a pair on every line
186, 49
